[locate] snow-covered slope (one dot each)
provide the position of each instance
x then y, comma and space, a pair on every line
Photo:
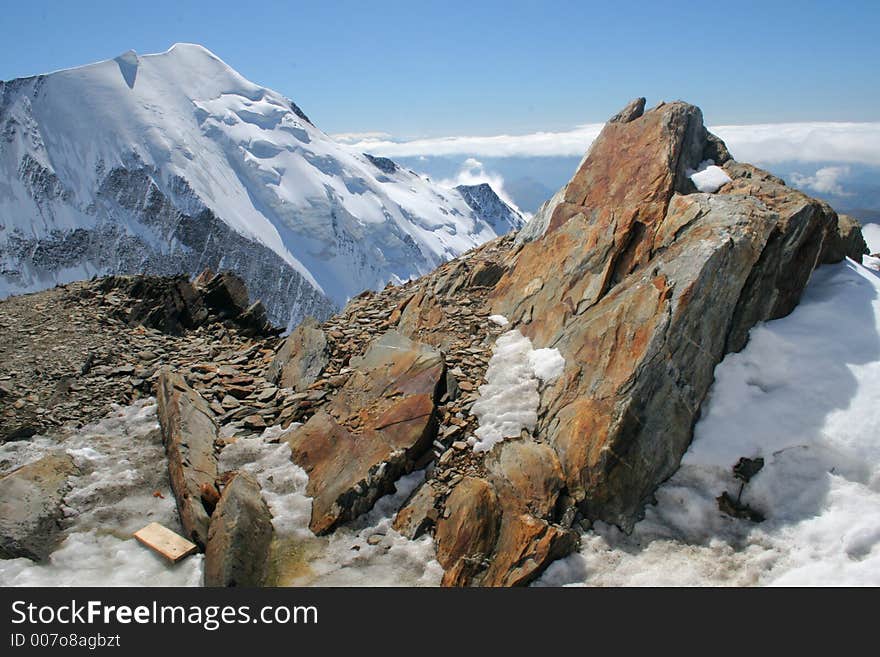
170, 162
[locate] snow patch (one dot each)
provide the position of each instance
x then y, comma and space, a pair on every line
500, 320
122, 463
871, 233
708, 177
509, 399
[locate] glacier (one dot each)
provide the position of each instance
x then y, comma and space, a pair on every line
174, 162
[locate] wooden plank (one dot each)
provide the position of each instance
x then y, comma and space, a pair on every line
170, 545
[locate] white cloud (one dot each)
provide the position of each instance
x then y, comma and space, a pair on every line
825, 181
760, 143
538, 144
857, 143
360, 137
472, 172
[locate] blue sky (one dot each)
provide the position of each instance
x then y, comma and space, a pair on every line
442, 68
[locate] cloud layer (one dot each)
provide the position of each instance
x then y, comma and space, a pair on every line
760, 143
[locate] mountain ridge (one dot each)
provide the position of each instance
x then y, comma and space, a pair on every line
175, 162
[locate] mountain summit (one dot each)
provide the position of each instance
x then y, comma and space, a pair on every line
174, 162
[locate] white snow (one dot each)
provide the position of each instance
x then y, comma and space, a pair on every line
244, 152
122, 463
871, 233
499, 320
708, 177
805, 396
509, 399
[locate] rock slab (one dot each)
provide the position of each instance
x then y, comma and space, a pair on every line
189, 432
240, 535
372, 432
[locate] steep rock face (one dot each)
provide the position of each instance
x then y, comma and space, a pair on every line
483, 200
380, 422
643, 286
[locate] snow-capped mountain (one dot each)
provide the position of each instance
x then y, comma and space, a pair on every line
174, 162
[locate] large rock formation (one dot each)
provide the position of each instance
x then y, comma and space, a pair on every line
643, 284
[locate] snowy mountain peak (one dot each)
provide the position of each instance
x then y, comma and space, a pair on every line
174, 161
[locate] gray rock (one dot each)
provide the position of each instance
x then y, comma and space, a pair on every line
240, 535
302, 357
30, 506
846, 241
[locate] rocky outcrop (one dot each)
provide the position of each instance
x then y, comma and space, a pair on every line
373, 431
189, 433
239, 536
174, 305
30, 506
485, 203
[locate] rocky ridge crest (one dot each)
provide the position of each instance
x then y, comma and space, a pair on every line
641, 282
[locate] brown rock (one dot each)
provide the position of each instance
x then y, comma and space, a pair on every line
846, 241
467, 531
392, 391
419, 513
189, 432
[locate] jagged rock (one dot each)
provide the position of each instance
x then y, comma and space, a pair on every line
789, 255
169, 304
302, 357
467, 531
631, 112
419, 513
240, 535
644, 286
30, 506
226, 294
846, 241
380, 422
189, 432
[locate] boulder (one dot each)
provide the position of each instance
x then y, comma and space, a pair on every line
169, 304
189, 432
226, 295
372, 432
301, 358
30, 506
239, 536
